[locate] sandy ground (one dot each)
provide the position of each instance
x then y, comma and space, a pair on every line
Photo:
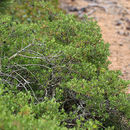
113, 17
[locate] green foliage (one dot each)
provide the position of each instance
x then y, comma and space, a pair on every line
4, 5
54, 70
33, 11
17, 113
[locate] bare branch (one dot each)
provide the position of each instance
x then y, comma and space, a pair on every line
26, 82
3, 74
35, 65
31, 57
0, 65
20, 51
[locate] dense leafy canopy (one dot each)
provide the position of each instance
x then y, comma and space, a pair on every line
54, 72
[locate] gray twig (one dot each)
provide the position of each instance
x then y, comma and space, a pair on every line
20, 51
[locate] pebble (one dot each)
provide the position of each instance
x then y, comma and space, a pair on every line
121, 44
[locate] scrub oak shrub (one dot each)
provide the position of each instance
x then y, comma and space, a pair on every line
66, 60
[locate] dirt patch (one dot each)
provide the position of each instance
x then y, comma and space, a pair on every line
113, 17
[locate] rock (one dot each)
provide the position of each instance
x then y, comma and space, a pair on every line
91, 0
123, 33
118, 23
128, 28
83, 9
126, 34
120, 32
73, 9
127, 20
